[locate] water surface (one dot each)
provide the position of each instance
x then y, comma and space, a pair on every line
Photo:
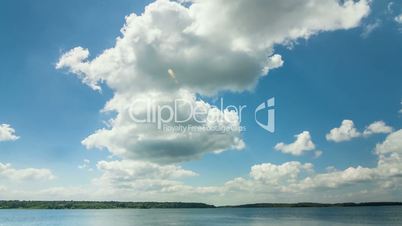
390, 215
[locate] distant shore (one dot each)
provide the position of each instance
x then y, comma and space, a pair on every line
16, 204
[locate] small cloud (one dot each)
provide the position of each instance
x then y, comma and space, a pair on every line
398, 19
317, 154
369, 28
302, 144
6, 170
345, 132
274, 61
377, 127
7, 133
389, 7
85, 165
392, 144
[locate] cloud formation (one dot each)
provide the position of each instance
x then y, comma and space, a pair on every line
7, 133
302, 144
293, 178
85, 165
279, 174
347, 131
393, 144
209, 50
376, 128
134, 170
147, 142
7, 171
275, 61
175, 50
266, 182
398, 19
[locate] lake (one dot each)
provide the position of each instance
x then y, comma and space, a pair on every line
390, 215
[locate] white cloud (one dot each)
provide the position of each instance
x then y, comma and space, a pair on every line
254, 25
400, 111
389, 167
142, 170
302, 144
7, 133
7, 171
144, 141
275, 61
276, 174
209, 50
335, 179
141, 178
377, 127
294, 178
175, 51
393, 144
345, 132
398, 19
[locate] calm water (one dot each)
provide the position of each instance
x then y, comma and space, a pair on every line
210, 217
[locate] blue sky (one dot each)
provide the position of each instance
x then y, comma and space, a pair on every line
332, 75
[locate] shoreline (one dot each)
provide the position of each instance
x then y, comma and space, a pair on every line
29, 205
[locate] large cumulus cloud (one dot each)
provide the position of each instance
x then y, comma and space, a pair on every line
175, 50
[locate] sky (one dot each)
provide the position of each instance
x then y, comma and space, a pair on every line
72, 73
